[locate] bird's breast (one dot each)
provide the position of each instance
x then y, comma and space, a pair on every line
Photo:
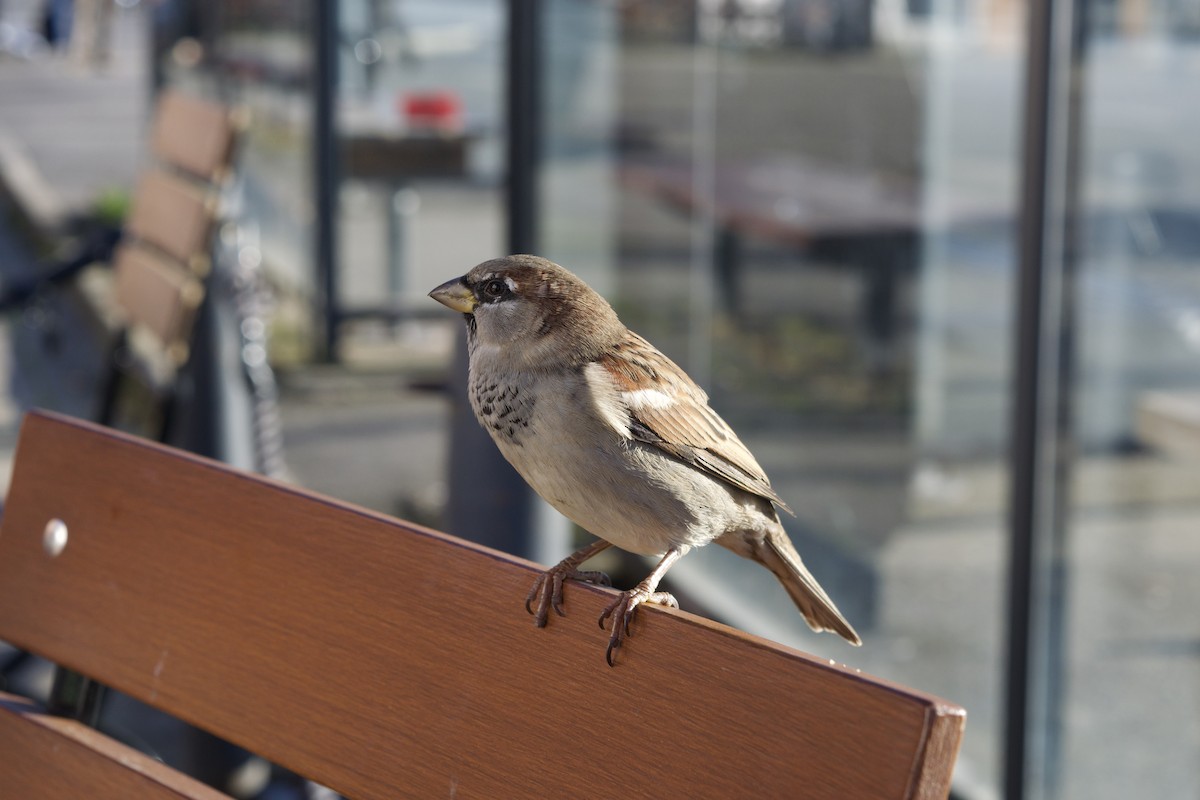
550, 430
504, 408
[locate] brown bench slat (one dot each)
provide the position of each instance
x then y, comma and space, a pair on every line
173, 215
158, 294
49, 757
192, 134
385, 660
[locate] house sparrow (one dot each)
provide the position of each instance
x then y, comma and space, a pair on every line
615, 436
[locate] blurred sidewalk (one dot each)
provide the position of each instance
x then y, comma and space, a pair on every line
68, 133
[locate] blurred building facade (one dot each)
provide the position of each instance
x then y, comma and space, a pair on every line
937, 262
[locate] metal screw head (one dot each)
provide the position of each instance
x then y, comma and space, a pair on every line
54, 538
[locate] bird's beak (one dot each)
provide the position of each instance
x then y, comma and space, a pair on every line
455, 294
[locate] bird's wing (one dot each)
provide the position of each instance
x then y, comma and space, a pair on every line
669, 411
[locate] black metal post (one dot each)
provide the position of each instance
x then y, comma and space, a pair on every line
1040, 457
490, 503
524, 122
1026, 425
325, 168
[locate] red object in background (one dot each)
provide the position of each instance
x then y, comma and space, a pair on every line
439, 112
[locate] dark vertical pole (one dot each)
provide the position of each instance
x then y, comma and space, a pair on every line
1023, 517
524, 123
1041, 428
325, 168
489, 502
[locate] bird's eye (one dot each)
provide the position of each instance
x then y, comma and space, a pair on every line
495, 288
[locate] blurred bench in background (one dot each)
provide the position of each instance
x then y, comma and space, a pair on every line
112, 347
383, 660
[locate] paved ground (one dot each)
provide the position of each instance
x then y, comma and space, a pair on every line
82, 128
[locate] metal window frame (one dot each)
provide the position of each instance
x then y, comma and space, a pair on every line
1041, 430
325, 169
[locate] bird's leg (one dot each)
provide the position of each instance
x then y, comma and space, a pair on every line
623, 607
548, 587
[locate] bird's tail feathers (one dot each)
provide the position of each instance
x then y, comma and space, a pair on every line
776, 552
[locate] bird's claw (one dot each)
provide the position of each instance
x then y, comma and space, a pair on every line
548, 589
622, 609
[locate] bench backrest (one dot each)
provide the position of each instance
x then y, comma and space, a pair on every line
385, 660
165, 254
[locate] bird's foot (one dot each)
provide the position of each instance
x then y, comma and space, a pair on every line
622, 610
548, 589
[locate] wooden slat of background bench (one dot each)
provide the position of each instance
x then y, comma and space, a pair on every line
50, 757
154, 292
174, 215
384, 659
193, 135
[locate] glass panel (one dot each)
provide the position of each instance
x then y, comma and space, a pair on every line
257, 55
809, 206
420, 123
1131, 658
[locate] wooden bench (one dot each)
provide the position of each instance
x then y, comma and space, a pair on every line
162, 266
387, 660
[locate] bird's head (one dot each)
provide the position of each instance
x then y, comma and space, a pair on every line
531, 309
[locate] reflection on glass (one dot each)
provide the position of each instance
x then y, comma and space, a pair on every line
809, 205
255, 55
1132, 635
420, 125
